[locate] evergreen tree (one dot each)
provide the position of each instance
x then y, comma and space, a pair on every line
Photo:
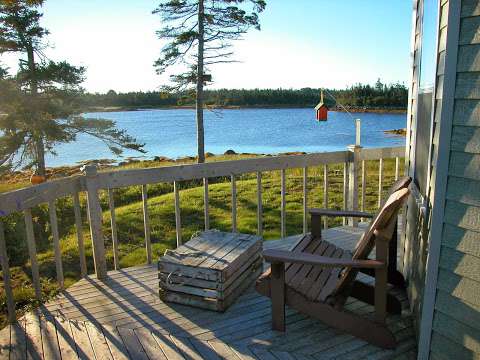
40, 103
199, 33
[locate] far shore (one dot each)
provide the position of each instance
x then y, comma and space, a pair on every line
238, 107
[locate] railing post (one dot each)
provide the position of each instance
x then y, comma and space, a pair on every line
353, 172
56, 242
95, 221
7, 285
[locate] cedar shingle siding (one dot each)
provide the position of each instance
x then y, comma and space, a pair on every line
456, 323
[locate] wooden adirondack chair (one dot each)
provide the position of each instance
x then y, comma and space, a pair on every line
394, 276
316, 278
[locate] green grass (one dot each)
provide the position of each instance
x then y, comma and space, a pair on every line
162, 220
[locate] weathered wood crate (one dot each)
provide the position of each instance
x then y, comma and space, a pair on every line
211, 270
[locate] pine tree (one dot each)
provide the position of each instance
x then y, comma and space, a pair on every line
39, 105
199, 33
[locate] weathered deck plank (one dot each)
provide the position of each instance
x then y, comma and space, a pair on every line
123, 318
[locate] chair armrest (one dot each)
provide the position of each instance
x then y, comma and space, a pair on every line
282, 256
340, 213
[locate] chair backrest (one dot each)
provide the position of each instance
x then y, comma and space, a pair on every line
383, 220
401, 183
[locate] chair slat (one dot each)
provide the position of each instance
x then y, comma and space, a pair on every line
305, 270
294, 273
322, 276
333, 279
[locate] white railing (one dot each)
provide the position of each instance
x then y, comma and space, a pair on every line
91, 182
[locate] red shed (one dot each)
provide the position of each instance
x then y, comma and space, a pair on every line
321, 109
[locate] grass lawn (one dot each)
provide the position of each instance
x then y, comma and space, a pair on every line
162, 220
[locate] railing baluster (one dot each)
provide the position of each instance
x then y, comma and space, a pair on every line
32, 252
345, 190
364, 186
178, 222
234, 204
325, 194
283, 229
380, 182
305, 200
78, 226
6, 276
205, 203
397, 168
113, 225
146, 224
56, 242
259, 205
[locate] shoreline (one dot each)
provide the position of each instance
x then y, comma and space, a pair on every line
241, 107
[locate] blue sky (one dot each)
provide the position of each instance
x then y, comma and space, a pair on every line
316, 43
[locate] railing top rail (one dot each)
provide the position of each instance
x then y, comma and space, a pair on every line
22, 199
19, 200
382, 153
114, 179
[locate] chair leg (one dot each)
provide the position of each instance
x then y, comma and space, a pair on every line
381, 282
278, 296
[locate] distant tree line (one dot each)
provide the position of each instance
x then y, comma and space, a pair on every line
392, 96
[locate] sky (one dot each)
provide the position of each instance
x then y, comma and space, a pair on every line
303, 43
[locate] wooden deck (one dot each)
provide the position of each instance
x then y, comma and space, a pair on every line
123, 318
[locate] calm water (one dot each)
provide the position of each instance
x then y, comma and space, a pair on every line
172, 133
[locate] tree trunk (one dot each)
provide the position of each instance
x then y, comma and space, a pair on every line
40, 156
199, 93
38, 136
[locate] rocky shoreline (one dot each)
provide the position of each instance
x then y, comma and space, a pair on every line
400, 132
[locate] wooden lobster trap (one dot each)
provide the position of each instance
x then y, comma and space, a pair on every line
211, 270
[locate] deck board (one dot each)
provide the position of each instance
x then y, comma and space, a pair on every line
123, 318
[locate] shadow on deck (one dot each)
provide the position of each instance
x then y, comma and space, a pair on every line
123, 318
